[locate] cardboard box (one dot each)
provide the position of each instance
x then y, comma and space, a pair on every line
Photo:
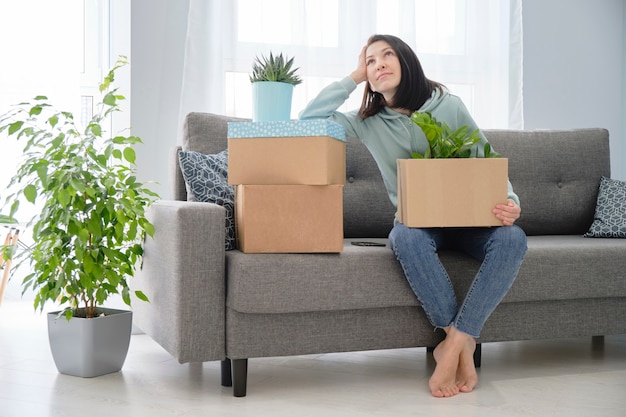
317, 160
451, 192
289, 218
294, 152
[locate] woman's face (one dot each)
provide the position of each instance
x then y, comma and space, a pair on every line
383, 69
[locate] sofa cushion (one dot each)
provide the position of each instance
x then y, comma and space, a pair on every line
206, 178
368, 212
610, 217
371, 277
556, 176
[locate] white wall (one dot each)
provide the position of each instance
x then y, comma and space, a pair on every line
574, 73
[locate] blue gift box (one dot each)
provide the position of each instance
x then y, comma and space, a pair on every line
286, 128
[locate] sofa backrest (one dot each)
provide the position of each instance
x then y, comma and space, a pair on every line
555, 173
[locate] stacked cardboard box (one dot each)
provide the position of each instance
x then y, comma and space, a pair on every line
289, 178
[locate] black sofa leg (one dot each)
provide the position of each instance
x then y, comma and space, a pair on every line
227, 376
239, 377
477, 354
597, 343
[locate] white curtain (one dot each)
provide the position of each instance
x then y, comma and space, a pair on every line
472, 46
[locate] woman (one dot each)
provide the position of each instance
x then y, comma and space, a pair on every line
395, 87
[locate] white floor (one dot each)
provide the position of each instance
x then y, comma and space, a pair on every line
539, 378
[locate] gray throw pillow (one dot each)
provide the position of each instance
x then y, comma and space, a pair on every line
610, 217
206, 178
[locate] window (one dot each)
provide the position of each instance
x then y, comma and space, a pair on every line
57, 49
461, 43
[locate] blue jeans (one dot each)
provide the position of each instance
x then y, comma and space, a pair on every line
501, 250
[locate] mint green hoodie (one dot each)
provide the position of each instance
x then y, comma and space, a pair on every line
390, 135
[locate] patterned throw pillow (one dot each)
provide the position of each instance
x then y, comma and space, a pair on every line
206, 177
610, 217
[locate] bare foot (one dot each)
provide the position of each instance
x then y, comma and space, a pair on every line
443, 381
455, 371
466, 376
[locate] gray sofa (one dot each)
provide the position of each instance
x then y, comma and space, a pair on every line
208, 304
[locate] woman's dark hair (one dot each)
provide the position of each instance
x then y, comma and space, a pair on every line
414, 88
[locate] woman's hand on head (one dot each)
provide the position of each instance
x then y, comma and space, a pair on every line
360, 73
507, 213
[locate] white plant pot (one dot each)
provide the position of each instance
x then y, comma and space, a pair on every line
90, 347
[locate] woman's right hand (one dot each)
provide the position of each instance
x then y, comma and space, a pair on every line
360, 73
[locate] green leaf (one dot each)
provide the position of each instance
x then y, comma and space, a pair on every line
15, 206
490, 153
96, 129
53, 120
84, 279
142, 296
126, 296
129, 155
83, 234
14, 127
94, 226
77, 185
109, 99
7, 219
42, 172
68, 314
56, 142
30, 192
64, 197
133, 140
465, 153
88, 264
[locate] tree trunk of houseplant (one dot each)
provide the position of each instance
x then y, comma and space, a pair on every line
90, 347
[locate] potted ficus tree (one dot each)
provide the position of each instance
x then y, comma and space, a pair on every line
456, 182
273, 81
88, 231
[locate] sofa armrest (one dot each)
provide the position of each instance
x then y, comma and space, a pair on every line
183, 276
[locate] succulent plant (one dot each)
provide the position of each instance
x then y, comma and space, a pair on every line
275, 68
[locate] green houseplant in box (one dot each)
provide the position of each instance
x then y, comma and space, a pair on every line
89, 230
454, 170
273, 81
445, 143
